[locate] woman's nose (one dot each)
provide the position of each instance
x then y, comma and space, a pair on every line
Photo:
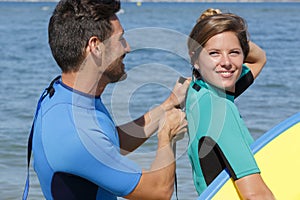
225, 61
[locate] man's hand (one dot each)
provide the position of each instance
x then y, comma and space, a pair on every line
158, 182
178, 94
172, 124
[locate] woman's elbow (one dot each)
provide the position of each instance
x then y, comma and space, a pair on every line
264, 57
265, 195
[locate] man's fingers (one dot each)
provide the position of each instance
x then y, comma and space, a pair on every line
184, 80
181, 80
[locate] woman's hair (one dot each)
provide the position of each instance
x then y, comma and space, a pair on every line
213, 22
71, 26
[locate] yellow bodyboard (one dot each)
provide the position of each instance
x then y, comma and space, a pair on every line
279, 162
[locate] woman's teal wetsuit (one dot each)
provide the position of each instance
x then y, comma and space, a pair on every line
219, 138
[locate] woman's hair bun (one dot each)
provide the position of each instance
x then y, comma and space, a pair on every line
209, 12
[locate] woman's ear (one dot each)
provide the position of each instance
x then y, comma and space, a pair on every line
192, 56
191, 53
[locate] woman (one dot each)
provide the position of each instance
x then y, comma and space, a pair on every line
225, 64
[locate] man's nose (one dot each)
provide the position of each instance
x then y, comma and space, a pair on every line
126, 46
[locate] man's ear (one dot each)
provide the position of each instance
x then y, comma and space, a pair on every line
96, 50
94, 46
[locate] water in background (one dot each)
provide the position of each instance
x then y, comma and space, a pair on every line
157, 34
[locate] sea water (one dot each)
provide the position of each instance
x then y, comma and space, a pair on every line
157, 33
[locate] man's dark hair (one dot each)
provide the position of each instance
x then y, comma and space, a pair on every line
71, 26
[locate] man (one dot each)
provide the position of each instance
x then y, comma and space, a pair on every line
78, 151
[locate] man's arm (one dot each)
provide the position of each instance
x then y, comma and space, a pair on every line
158, 182
256, 59
135, 133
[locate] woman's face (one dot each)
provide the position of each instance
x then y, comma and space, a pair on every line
220, 61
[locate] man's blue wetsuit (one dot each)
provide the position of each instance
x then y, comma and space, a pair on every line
76, 149
219, 138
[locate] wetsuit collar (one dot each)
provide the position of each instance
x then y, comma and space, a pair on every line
217, 91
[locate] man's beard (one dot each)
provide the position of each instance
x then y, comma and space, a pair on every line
117, 78
115, 72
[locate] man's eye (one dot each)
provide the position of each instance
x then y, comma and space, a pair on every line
121, 39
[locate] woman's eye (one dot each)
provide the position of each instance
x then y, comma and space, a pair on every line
213, 53
235, 52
